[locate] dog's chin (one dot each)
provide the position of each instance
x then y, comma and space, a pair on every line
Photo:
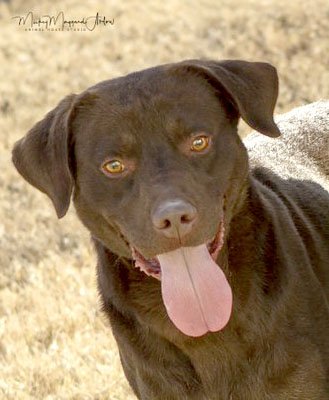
151, 266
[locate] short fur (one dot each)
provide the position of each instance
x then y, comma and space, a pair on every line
275, 210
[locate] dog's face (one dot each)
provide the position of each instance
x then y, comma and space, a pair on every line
167, 145
153, 159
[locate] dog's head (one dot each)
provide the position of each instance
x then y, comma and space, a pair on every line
153, 158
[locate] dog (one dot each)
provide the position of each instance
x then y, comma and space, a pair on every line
213, 266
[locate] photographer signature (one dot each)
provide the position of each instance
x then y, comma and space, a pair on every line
59, 21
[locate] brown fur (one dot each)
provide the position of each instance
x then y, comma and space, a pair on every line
275, 256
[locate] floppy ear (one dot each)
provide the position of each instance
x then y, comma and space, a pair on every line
252, 86
41, 157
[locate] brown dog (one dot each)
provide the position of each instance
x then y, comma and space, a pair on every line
214, 274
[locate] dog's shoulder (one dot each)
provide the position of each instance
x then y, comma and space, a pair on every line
292, 175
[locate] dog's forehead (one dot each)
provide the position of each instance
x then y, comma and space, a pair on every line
162, 85
127, 110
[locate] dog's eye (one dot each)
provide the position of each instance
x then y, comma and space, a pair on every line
200, 143
113, 167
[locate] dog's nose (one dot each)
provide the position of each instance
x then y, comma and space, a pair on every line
174, 218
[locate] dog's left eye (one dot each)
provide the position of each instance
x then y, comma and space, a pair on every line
200, 143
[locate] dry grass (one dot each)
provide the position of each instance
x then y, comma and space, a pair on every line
54, 344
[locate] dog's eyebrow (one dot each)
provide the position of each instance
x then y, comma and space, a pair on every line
182, 127
111, 141
122, 145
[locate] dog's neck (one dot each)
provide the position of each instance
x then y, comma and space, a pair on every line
241, 258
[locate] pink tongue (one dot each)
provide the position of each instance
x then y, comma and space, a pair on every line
195, 291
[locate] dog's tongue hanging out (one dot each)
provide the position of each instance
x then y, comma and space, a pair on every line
195, 291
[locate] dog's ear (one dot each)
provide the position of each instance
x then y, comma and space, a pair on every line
252, 87
41, 157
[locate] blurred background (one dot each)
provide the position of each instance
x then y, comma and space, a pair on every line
54, 342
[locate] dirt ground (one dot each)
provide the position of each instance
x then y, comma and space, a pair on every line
54, 342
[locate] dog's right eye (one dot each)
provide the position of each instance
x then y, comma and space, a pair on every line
113, 167
118, 168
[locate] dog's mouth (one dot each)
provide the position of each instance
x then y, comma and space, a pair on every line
195, 291
152, 267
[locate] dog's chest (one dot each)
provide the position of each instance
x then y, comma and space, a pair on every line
222, 366
233, 375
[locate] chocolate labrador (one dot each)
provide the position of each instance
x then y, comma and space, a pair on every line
213, 270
